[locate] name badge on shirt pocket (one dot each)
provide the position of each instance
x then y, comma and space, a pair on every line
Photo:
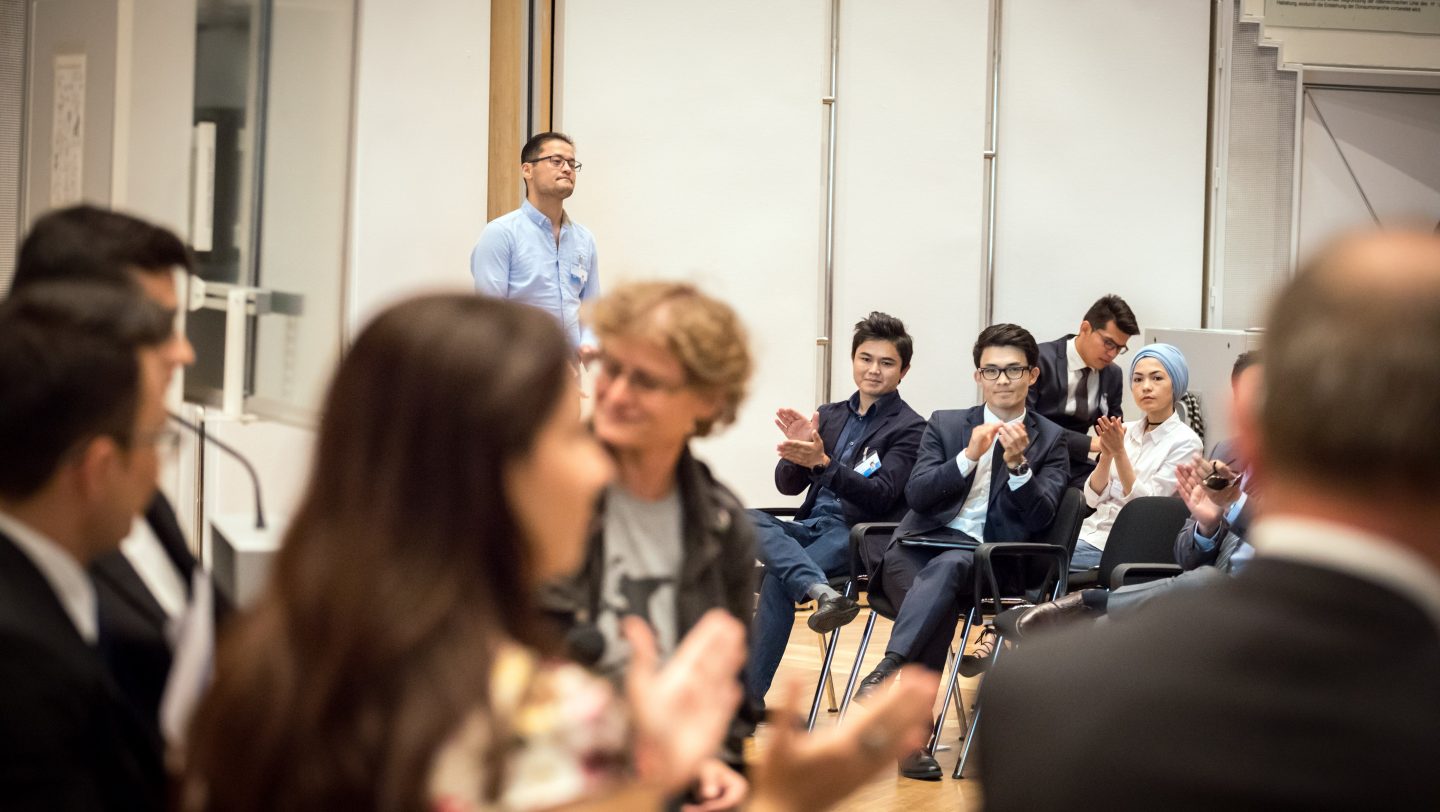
869, 465
580, 273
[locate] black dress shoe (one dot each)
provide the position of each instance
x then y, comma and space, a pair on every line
831, 613
978, 660
872, 681
920, 766
1021, 621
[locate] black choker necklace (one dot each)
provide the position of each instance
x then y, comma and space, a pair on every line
1152, 425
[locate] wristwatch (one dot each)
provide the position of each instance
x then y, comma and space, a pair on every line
818, 468
1020, 470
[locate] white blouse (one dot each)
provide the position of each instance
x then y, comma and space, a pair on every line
1153, 456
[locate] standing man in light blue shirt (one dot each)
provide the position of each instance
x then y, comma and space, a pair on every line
536, 254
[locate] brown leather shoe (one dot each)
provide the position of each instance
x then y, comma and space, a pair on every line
1022, 621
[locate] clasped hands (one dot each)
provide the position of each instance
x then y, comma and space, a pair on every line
1110, 433
1013, 438
802, 444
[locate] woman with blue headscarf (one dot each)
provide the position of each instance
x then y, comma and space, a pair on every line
1137, 458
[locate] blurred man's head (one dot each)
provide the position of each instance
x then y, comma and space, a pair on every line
1349, 399
83, 411
89, 244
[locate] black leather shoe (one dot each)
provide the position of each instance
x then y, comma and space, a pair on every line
832, 613
920, 766
874, 680
1022, 621
978, 660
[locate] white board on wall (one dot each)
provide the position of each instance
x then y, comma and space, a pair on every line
1102, 149
909, 185
700, 127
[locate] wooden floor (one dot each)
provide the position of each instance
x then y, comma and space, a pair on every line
887, 791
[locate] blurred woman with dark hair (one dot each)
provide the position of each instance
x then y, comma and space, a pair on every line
397, 661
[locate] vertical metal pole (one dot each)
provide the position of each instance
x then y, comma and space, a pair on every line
827, 296
992, 138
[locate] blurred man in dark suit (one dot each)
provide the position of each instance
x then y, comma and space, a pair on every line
145, 584
81, 417
1309, 680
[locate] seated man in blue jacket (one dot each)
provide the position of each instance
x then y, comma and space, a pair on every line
853, 457
993, 472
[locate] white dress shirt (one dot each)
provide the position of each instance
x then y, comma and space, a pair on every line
971, 518
143, 550
1074, 369
1153, 457
62, 571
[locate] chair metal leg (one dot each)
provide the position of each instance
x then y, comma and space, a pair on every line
975, 718
855, 670
951, 687
828, 678
824, 679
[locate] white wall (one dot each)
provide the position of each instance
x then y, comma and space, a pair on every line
700, 127
1368, 49
701, 130
909, 186
418, 178
421, 124
1103, 117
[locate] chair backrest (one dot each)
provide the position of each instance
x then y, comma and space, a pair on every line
1144, 533
1069, 515
1064, 530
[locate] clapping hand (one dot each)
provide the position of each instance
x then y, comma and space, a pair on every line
1014, 440
1111, 433
981, 438
802, 444
683, 709
806, 772
796, 426
1191, 486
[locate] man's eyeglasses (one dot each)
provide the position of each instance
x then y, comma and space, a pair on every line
1111, 346
640, 380
558, 161
1011, 373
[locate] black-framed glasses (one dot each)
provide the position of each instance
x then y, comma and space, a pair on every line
1111, 346
1011, 373
558, 161
640, 380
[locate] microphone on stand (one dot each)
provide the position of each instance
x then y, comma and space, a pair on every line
236, 455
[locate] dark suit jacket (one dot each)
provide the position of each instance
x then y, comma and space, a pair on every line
1288, 686
893, 433
70, 741
132, 624
1047, 397
936, 490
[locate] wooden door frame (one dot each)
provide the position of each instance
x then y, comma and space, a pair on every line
522, 48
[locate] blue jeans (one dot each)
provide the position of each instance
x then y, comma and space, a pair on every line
797, 556
1086, 556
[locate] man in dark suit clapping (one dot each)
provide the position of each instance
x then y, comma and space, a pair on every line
993, 472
